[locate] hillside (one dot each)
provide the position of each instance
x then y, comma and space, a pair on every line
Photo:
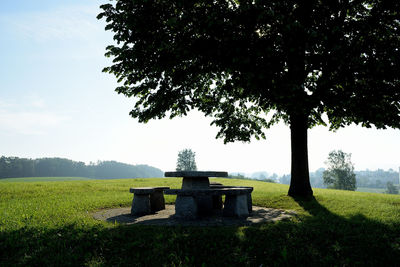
47, 224
11, 167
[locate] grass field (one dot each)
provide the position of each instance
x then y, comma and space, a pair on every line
47, 224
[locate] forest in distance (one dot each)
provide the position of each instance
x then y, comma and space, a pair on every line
14, 167
364, 179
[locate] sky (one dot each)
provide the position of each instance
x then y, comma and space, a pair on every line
55, 101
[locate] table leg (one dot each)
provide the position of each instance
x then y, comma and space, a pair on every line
195, 183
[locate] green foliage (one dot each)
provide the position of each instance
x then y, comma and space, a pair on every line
238, 61
59, 167
250, 64
391, 189
366, 181
340, 172
260, 178
114, 169
44, 179
48, 224
376, 179
186, 160
238, 176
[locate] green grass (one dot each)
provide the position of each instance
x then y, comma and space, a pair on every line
45, 224
44, 179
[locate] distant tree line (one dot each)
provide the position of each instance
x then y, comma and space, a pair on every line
371, 179
12, 167
255, 176
376, 179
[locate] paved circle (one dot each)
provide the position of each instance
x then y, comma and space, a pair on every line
166, 217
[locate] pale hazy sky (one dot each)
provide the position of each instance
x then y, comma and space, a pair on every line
56, 102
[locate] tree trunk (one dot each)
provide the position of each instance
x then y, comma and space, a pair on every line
300, 180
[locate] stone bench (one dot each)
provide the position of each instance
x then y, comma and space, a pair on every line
147, 200
217, 200
187, 206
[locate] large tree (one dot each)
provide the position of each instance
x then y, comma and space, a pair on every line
252, 63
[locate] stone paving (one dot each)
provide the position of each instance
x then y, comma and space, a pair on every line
166, 217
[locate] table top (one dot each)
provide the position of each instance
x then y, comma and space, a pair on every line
194, 174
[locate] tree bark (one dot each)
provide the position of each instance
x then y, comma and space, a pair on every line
300, 178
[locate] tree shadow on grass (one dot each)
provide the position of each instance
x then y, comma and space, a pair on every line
327, 239
133, 245
321, 239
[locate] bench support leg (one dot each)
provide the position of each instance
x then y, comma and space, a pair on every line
217, 202
185, 207
157, 201
250, 203
236, 206
141, 205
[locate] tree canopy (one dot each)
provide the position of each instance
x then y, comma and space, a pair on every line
250, 64
340, 173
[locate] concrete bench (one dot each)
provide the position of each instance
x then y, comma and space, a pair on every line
147, 200
187, 206
217, 200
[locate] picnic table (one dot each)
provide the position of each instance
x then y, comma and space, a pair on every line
198, 198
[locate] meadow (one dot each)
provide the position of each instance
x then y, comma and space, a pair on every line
50, 223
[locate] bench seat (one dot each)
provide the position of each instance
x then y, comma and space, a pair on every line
147, 200
187, 202
208, 192
249, 198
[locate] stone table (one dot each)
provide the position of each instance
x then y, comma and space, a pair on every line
197, 180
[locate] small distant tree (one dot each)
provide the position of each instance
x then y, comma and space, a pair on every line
391, 188
186, 161
285, 179
340, 172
